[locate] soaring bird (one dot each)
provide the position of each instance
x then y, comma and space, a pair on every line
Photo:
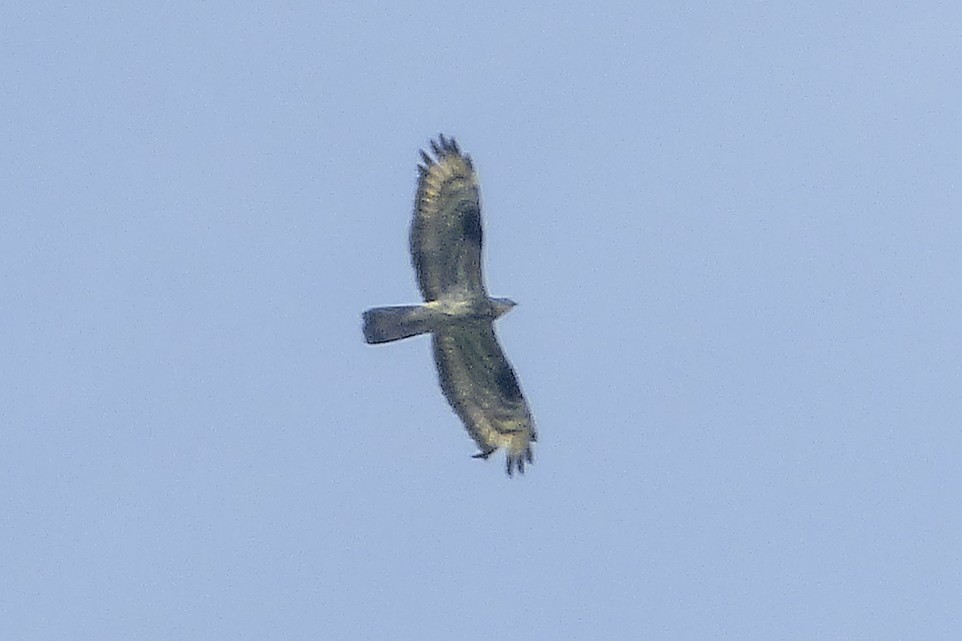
445, 242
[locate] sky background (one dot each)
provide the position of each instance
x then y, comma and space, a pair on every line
735, 234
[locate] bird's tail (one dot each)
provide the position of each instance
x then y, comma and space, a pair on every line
386, 324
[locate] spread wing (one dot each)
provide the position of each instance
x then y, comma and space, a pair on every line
481, 386
446, 230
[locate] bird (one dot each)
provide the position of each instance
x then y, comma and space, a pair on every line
445, 242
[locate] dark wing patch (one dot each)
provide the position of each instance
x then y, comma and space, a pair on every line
483, 390
508, 383
446, 235
471, 227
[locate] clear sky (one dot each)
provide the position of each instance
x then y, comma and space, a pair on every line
734, 231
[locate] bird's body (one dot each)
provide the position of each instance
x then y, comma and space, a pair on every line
445, 243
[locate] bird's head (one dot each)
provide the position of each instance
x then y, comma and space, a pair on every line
502, 306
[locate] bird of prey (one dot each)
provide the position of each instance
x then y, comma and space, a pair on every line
445, 243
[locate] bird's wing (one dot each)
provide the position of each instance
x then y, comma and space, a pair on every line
446, 230
481, 386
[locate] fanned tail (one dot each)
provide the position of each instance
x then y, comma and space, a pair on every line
386, 324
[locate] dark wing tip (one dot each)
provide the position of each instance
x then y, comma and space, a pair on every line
448, 145
516, 462
512, 462
443, 146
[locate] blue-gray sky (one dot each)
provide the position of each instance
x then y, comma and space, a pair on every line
734, 233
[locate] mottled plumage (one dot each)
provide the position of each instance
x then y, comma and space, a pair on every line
445, 242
